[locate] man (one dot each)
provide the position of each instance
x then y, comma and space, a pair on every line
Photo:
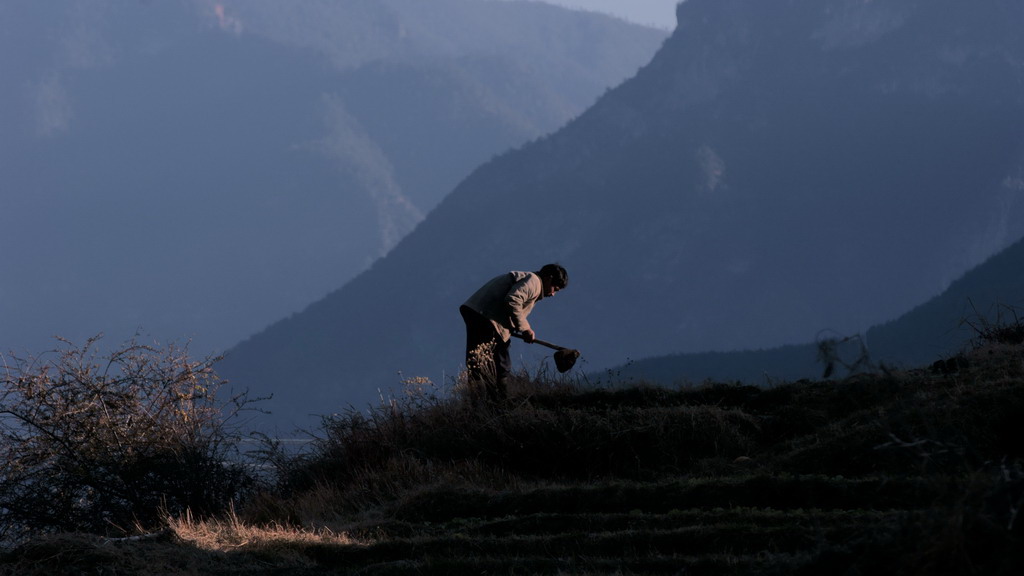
493, 313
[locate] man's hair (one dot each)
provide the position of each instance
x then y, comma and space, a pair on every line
555, 274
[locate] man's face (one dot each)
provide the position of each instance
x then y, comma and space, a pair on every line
548, 289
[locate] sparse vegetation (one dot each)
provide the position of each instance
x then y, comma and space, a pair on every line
914, 472
113, 442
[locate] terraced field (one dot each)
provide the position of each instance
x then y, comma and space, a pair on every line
889, 473
741, 526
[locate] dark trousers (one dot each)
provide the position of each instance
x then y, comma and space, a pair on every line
487, 359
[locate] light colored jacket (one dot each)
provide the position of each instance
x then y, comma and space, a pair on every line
507, 300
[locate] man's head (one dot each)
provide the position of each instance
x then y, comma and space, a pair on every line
554, 277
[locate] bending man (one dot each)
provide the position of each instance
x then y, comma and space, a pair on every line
493, 312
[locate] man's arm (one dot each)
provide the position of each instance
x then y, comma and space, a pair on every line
520, 300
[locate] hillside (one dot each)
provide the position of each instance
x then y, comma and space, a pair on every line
987, 295
910, 472
779, 168
195, 170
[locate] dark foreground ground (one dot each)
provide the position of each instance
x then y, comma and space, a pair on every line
909, 472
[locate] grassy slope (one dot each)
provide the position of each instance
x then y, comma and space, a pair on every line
913, 472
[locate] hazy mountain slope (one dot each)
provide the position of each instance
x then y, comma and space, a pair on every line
199, 169
779, 168
989, 294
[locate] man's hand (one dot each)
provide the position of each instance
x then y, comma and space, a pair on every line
528, 335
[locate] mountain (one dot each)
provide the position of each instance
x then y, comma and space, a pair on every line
197, 170
987, 296
779, 168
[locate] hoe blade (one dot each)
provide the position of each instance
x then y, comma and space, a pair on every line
565, 359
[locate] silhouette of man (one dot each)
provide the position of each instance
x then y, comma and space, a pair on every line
493, 313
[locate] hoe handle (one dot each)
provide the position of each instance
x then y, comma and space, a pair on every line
541, 342
548, 344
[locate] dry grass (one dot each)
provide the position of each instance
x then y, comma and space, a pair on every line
231, 534
187, 547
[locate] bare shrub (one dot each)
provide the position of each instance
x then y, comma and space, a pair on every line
91, 442
1006, 328
833, 351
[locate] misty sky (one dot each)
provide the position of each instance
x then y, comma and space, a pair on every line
659, 13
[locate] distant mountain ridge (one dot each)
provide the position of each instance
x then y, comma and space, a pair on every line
196, 169
778, 169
